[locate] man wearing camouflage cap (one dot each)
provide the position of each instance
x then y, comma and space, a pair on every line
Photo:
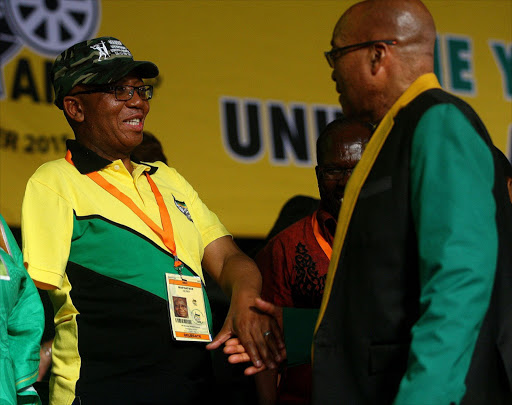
112, 239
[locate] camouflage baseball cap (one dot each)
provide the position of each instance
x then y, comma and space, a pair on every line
96, 61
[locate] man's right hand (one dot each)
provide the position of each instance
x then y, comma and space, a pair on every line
236, 351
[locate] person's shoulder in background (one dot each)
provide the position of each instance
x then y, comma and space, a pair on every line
295, 208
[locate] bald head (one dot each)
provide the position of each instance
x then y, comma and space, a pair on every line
339, 149
407, 21
381, 72
342, 131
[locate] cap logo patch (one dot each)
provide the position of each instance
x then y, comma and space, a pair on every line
116, 47
102, 49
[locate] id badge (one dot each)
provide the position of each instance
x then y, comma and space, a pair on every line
187, 308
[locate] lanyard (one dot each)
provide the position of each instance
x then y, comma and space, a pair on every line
320, 239
166, 234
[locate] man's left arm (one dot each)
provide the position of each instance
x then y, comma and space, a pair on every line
240, 279
452, 178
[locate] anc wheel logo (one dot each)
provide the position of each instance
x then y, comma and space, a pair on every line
51, 26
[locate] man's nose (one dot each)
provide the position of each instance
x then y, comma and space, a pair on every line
136, 100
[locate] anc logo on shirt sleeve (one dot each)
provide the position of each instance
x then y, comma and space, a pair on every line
183, 208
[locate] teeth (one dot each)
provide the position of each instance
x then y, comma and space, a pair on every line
135, 121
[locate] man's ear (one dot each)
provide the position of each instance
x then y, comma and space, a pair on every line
379, 53
73, 108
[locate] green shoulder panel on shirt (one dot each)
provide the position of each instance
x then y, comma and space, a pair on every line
148, 262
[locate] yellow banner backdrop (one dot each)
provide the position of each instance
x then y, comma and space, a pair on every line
243, 91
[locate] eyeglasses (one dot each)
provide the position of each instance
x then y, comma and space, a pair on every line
335, 173
335, 53
123, 92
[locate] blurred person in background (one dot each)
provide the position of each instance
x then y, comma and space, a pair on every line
21, 325
149, 150
294, 263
